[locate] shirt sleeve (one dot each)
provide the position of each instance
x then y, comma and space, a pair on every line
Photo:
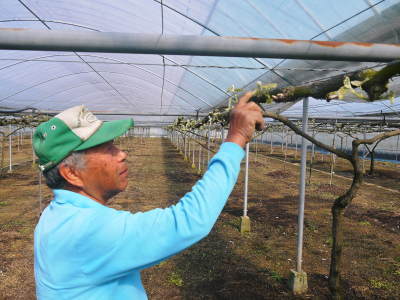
125, 241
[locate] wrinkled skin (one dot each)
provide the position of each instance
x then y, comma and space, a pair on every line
105, 173
244, 118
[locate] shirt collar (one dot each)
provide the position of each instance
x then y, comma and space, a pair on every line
78, 200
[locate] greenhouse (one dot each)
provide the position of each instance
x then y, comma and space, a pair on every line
315, 210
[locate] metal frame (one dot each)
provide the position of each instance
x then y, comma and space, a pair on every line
116, 42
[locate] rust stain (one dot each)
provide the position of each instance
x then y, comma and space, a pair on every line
242, 38
14, 29
331, 44
328, 44
286, 41
363, 44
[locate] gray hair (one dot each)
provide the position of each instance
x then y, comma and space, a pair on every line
54, 180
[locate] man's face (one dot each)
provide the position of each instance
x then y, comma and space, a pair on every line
105, 173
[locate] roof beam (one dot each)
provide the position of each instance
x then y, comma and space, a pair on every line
114, 42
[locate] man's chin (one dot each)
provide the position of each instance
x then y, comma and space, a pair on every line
112, 194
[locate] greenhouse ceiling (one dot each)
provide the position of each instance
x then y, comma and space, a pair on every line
156, 88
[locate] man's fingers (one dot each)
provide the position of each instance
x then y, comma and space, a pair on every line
245, 98
258, 119
253, 106
260, 123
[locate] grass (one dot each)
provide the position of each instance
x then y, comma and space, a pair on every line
380, 284
364, 223
274, 275
329, 242
175, 279
225, 264
311, 225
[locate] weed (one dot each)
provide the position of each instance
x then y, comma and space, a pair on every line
329, 241
12, 224
25, 230
164, 262
366, 223
276, 276
175, 279
235, 223
310, 225
327, 196
379, 284
261, 248
3, 203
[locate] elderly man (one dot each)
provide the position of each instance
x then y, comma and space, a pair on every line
86, 250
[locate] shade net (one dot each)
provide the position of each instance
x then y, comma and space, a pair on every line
159, 87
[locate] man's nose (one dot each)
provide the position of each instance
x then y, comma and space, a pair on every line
123, 155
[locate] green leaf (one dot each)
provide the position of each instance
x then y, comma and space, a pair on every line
341, 93
346, 82
356, 83
391, 96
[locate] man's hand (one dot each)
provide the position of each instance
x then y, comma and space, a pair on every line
244, 118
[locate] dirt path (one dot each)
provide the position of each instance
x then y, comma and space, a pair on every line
227, 265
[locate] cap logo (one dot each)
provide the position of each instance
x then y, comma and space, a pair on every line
90, 118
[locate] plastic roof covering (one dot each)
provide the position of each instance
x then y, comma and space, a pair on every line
155, 84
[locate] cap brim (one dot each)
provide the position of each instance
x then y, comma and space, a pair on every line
107, 132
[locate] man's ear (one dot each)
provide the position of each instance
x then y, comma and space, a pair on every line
71, 175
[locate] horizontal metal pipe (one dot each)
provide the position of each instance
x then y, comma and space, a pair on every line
346, 119
100, 113
115, 42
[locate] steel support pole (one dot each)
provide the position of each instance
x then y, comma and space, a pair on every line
185, 141
40, 193
193, 151
199, 158
246, 180
10, 149
33, 150
117, 42
208, 142
302, 188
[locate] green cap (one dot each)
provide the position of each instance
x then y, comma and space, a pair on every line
72, 130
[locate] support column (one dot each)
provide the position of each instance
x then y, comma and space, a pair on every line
33, 151
298, 278
10, 150
245, 220
208, 142
194, 150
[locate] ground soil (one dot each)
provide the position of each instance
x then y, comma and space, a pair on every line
226, 264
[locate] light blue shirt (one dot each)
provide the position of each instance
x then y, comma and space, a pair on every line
85, 250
